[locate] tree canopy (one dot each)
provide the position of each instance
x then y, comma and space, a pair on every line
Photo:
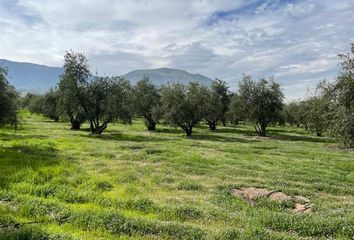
221, 91
8, 100
182, 106
107, 99
76, 73
262, 101
342, 93
147, 102
212, 107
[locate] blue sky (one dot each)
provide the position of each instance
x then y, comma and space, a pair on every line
295, 41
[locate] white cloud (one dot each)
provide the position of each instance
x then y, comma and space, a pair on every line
299, 9
292, 40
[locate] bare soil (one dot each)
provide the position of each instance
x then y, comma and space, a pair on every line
251, 194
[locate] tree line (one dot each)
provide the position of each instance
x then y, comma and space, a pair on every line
82, 96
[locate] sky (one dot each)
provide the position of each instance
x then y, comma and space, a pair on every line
295, 41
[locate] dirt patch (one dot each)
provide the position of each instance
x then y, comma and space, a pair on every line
260, 138
302, 208
251, 194
4, 202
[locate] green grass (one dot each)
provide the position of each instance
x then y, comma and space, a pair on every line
133, 184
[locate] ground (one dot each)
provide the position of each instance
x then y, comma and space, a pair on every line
56, 183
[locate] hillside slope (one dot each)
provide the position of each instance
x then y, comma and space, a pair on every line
162, 76
39, 78
31, 77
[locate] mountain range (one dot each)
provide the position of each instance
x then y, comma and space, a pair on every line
162, 76
30, 77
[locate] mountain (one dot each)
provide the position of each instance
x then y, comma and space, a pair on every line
162, 76
31, 77
39, 78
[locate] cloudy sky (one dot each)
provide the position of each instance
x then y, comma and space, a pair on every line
296, 41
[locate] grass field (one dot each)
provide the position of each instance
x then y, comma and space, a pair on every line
129, 183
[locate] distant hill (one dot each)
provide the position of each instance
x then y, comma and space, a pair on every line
31, 77
39, 78
161, 76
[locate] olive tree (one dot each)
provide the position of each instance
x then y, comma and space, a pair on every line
8, 100
182, 106
147, 102
76, 73
236, 109
293, 113
46, 104
342, 93
221, 90
106, 99
25, 100
49, 105
262, 101
35, 103
212, 107
316, 115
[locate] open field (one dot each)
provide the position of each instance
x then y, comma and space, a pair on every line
133, 184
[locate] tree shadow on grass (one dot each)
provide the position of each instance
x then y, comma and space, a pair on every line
24, 155
14, 136
116, 136
169, 130
236, 130
300, 138
278, 134
219, 138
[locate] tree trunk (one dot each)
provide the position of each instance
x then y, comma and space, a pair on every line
91, 126
75, 125
318, 133
97, 130
75, 122
212, 126
188, 132
151, 125
223, 121
262, 133
261, 129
